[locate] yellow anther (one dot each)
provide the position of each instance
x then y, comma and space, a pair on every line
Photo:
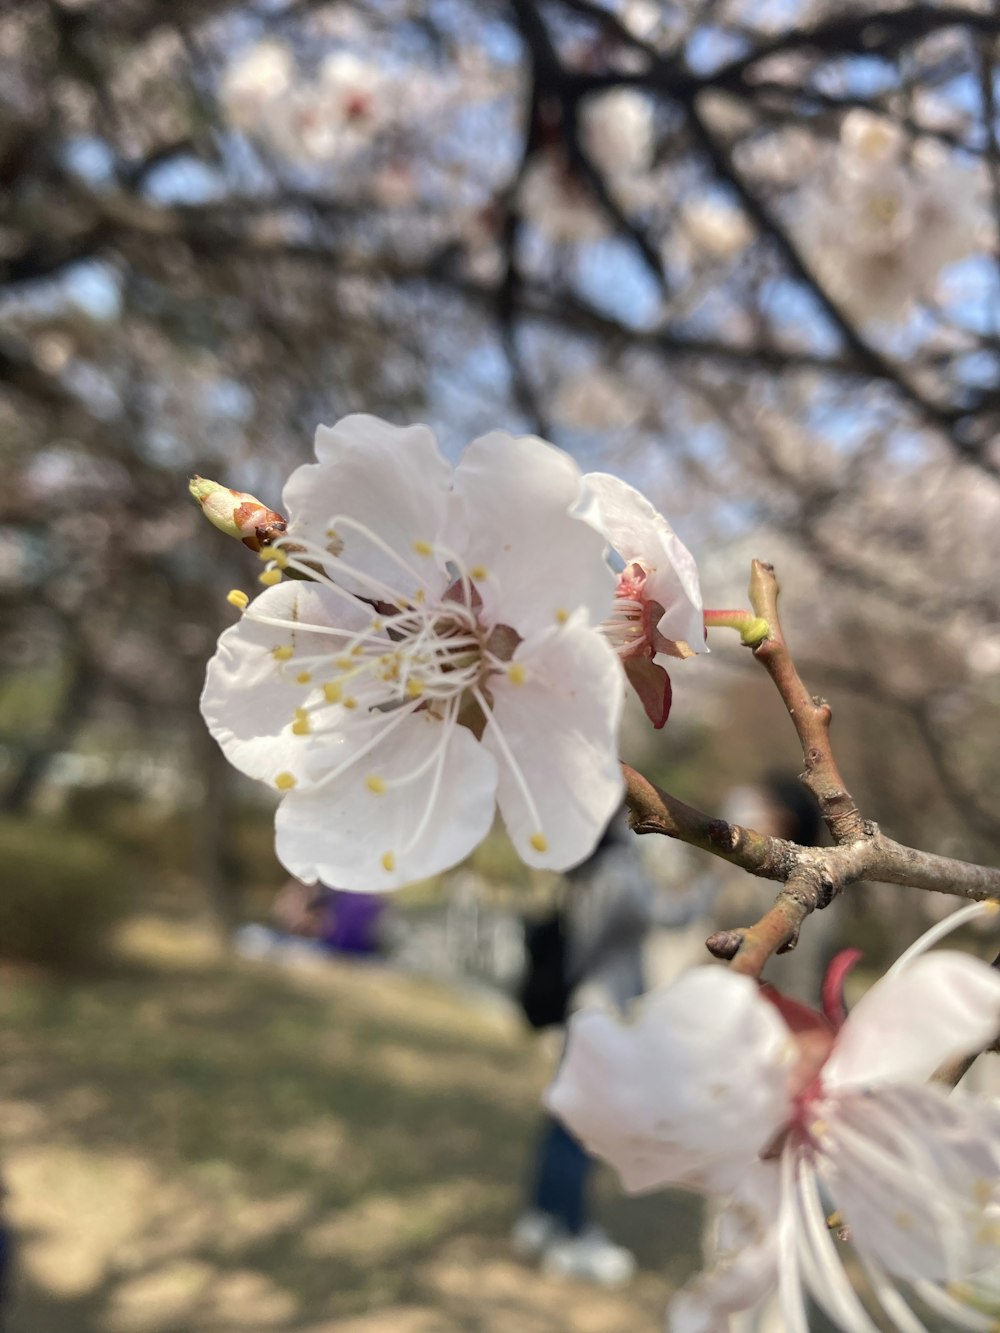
377, 624
414, 687
516, 673
375, 784
420, 597
350, 702
389, 861
301, 726
562, 616
345, 663
333, 534
269, 577
358, 650
477, 572
423, 548
331, 692
284, 652
279, 557
285, 781
539, 842
304, 677
238, 598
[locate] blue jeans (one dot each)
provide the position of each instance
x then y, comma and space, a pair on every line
561, 1174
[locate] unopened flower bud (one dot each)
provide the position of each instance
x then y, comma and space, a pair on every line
238, 514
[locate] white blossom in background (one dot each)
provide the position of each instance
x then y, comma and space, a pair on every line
616, 132
437, 656
658, 610
597, 399
722, 1087
331, 115
880, 224
557, 202
255, 82
715, 228
336, 113
616, 128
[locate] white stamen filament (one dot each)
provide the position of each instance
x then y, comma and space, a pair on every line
943, 928
887, 1294
624, 625
509, 759
343, 521
833, 1282
789, 1281
962, 1316
437, 757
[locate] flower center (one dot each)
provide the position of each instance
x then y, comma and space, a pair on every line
627, 627
422, 650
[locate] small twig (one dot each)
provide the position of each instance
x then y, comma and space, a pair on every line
811, 876
810, 715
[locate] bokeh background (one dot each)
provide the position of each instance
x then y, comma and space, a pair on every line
741, 252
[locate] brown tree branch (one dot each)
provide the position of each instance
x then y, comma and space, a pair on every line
810, 876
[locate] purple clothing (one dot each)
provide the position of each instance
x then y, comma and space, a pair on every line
351, 924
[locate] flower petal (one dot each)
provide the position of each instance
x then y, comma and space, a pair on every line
914, 1173
942, 1005
652, 684
251, 695
638, 531
555, 716
429, 784
511, 514
390, 479
688, 1093
745, 1267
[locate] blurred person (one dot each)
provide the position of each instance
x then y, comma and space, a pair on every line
314, 918
780, 806
588, 951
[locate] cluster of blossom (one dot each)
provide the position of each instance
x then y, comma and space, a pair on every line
332, 114
435, 642
616, 135
814, 1128
882, 223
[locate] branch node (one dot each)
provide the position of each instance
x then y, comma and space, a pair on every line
724, 944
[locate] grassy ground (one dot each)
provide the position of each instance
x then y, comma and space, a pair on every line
194, 1145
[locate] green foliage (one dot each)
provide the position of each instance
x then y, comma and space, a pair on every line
63, 889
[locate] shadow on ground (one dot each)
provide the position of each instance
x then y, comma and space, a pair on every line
196, 1145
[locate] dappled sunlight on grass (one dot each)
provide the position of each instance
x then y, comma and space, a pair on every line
194, 1144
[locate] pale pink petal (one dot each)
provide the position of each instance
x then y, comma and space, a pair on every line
555, 721
915, 1174
744, 1271
392, 480
250, 695
688, 1093
351, 833
942, 1005
637, 531
511, 515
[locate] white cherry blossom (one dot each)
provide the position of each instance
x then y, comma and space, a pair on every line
431, 654
732, 1089
256, 81
880, 224
658, 609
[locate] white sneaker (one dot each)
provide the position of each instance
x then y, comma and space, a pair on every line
531, 1233
590, 1256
